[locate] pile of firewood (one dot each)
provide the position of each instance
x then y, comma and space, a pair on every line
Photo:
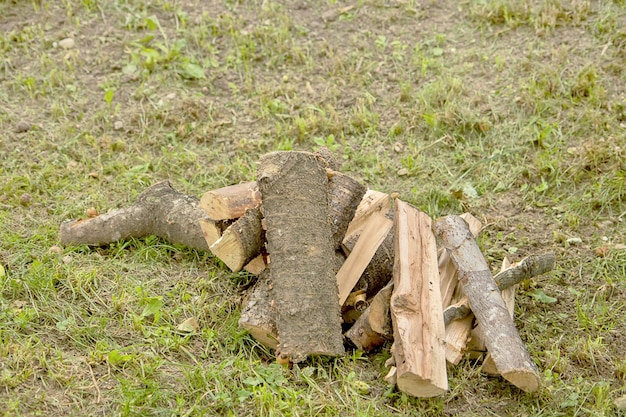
341, 265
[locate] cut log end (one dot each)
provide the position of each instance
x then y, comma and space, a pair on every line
419, 387
526, 380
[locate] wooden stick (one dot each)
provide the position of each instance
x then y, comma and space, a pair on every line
230, 202
416, 309
503, 341
527, 268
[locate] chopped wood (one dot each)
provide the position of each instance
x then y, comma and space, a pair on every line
230, 202
447, 270
294, 189
373, 328
212, 230
257, 315
416, 309
257, 265
371, 237
345, 195
241, 242
372, 202
457, 336
159, 210
508, 295
503, 341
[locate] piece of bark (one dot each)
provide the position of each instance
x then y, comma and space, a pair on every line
241, 242
503, 341
447, 270
373, 328
416, 310
527, 268
257, 315
294, 189
230, 202
212, 230
371, 237
159, 210
344, 196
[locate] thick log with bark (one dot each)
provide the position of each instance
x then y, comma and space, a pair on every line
159, 210
416, 310
503, 341
294, 193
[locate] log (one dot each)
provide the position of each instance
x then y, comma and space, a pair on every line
373, 328
416, 310
212, 230
457, 336
257, 265
257, 315
230, 202
447, 270
294, 194
159, 210
241, 242
527, 268
508, 295
344, 196
373, 201
371, 237
503, 341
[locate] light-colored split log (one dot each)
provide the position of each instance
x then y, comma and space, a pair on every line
231, 202
371, 237
372, 202
503, 341
416, 309
374, 327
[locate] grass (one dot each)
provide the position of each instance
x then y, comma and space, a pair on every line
511, 110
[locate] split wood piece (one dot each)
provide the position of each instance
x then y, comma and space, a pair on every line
294, 194
503, 341
159, 210
371, 237
416, 310
212, 230
230, 202
256, 266
373, 329
508, 295
447, 270
241, 242
344, 195
379, 270
457, 336
257, 315
372, 202
527, 268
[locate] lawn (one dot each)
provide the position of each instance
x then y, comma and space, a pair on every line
512, 110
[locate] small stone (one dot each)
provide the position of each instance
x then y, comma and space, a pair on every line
22, 127
188, 326
94, 174
397, 147
26, 199
118, 125
402, 172
620, 402
91, 212
574, 241
67, 259
67, 43
55, 249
